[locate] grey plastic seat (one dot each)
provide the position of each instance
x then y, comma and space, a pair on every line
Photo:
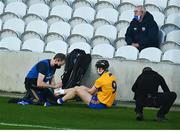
31, 17
15, 24
64, 11
160, 3
87, 13
123, 7
62, 28
108, 31
173, 36
76, 20
38, 26
52, 19
169, 45
109, 14
127, 52
80, 45
56, 46
34, 45
134, 2
39, 9
18, 8
1, 7
151, 53
11, 43
99, 22
172, 55
83, 29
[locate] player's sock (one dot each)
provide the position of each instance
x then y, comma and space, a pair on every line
60, 101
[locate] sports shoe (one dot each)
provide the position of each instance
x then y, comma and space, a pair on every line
139, 116
161, 119
46, 104
23, 103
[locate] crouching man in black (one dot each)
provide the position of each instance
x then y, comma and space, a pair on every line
147, 95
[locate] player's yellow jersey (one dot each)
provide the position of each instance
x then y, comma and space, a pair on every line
106, 85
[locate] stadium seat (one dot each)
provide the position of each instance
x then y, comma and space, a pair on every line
151, 53
158, 17
56, 46
52, 19
172, 55
171, 10
114, 2
108, 31
38, 26
102, 5
80, 3
1, 24
30, 35
11, 43
127, 52
127, 15
31, 17
173, 36
39, 9
62, 28
99, 22
92, 2
161, 36
122, 32
8, 15
126, 6
15, 24
87, 13
173, 19
80, 45
109, 14
96, 40
8, 33
173, 3
76, 20
83, 29
63, 11
31, 2
119, 42
104, 50
52, 36
75, 38
121, 24
159, 3
1, 7
134, 2
151, 7
169, 27
34, 45
169, 45
53, 3
18, 8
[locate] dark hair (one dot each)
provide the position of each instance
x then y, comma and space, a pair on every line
60, 56
147, 69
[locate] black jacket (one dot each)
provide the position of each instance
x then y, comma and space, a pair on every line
146, 33
148, 83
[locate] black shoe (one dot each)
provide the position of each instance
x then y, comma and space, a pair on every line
161, 119
139, 116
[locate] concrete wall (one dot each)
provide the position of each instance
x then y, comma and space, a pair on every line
15, 65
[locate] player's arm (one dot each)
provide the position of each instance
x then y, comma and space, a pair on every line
52, 82
92, 90
42, 84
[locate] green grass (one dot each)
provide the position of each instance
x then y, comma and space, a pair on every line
78, 116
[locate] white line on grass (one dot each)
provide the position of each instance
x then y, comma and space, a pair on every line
34, 126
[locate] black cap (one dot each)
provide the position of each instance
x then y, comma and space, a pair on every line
102, 64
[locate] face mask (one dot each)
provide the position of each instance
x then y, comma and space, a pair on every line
99, 72
137, 18
57, 67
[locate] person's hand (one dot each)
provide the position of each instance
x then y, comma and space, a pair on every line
58, 85
135, 45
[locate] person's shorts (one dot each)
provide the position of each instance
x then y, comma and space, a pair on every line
95, 104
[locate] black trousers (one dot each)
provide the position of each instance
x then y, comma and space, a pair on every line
164, 101
38, 95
